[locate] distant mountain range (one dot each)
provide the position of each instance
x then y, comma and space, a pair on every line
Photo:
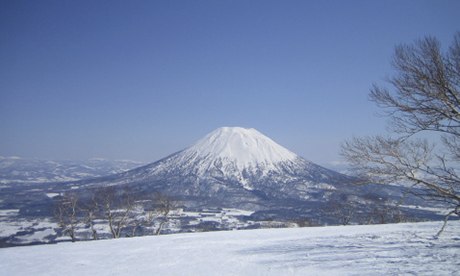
28, 170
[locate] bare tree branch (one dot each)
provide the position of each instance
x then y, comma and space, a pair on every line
117, 208
425, 98
67, 215
164, 205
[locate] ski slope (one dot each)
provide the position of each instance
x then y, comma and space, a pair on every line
391, 249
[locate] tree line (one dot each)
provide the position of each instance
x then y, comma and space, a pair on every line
116, 211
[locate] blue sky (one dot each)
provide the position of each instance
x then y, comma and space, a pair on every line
142, 79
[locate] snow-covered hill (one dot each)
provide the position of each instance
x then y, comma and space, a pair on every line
28, 170
391, 249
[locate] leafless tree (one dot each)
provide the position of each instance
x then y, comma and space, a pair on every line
66, 213
136, 218
91, 211
425, 100
164, 205
117, 207
150, 215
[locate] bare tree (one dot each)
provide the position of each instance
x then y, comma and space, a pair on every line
137, 218
91, 211
150, 215
66, 213
117, 207
425, 99
164, 206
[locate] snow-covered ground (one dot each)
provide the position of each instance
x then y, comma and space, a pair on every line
391, 249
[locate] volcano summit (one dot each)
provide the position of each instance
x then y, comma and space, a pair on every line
243, 148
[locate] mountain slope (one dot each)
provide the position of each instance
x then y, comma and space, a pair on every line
233, 167
231, 164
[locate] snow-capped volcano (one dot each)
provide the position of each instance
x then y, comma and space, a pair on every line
235, 153
232, 163
241, 146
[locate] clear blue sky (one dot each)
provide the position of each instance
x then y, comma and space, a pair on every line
142, 79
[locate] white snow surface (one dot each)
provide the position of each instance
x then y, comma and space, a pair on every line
391, 249
245, 147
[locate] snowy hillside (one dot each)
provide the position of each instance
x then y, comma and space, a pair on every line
391, 249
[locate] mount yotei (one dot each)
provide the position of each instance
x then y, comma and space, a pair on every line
231, 165
234, 167
233, 178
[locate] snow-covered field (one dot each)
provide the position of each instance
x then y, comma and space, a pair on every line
391, 249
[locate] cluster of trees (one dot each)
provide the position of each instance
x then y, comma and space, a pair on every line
422, 148
118, 210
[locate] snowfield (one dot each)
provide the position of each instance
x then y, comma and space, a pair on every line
390, 249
